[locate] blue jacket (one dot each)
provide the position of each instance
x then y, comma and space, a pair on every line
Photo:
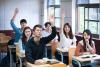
18, 31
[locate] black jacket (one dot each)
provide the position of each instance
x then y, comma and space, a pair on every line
36, 51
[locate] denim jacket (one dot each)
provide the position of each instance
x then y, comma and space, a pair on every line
18, 31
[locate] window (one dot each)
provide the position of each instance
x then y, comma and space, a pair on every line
82, 1
88, 15
54, 8
94, 1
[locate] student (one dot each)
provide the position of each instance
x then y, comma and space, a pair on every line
27, 34
18, 31
35, 49
46, 32
67, 39
86, 45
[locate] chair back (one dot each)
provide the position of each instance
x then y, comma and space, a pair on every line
71, 53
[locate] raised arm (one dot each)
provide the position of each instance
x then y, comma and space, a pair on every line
52, 20
15, 14
62, 20
12, 20
53, 33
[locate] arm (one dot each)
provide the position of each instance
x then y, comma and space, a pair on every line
93, 51
28, 53
54, 32
79, 50
12, 20
62, 20
15, 13
51, 36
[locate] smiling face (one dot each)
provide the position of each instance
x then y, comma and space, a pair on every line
66, 29
27, 33
86, 36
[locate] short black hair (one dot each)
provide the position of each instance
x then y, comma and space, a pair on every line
23, 21
39, 26
47, 24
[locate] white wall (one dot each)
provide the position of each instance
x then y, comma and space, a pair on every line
67, 5
28, 9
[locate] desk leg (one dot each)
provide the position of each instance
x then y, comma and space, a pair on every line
10, 58
20, 60
45, 51
79, 64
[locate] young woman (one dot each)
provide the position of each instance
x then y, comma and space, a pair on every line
85, 46
27, 34
67, 39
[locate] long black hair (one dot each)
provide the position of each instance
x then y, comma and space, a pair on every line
70, 32
90, 40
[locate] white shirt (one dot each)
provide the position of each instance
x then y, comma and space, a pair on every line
21, 50
66, 43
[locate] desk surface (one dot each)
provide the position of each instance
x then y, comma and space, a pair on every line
46, 65
88, 57
11, 46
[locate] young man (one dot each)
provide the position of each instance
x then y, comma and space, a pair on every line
35, 48
50, 46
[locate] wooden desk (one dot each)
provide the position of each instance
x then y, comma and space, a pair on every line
86, 59
46, 65
89, 57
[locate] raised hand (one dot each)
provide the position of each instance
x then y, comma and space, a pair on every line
52, 19
16, 10
62, 19
15, 13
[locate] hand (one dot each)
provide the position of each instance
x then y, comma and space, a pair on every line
16, 10
52, 19
92, 51
62, 19
39, 62
15, 13
62, 14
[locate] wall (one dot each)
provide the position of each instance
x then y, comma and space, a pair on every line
28, 9
67, 6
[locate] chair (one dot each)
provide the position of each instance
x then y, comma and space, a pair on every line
71, 53
19, 55
53, 47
